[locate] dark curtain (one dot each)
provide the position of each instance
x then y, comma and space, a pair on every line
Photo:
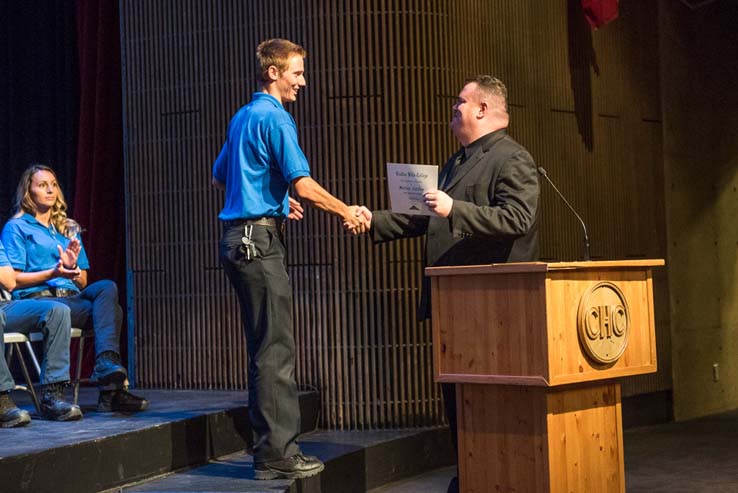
60, 104
99, 191
38, 93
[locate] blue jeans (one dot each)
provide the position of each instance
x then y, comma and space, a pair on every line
50, 318
96, 307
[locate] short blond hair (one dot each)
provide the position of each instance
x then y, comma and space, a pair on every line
276, 52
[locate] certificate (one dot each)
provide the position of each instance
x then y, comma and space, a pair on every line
407, 184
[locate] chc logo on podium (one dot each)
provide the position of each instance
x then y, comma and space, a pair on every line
603, 322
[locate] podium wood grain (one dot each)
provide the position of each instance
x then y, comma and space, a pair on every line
535, 414
533, 439
517, 323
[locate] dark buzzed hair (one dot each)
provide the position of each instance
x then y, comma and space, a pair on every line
276, 52
491, 87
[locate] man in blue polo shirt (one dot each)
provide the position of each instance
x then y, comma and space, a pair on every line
259, 160
54, 321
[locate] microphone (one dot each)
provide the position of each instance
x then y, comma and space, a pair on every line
585, 253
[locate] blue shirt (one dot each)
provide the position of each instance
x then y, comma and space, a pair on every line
4, 262
260, 158
31, 247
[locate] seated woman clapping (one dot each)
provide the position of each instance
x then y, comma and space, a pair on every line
44, 247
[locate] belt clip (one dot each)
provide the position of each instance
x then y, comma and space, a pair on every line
248, 244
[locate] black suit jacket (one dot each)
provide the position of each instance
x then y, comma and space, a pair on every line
494, 217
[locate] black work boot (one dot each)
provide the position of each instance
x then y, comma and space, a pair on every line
11, 415
54, 407
295, 467
108, 369
120, 401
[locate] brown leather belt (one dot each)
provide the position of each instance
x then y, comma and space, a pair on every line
270, 222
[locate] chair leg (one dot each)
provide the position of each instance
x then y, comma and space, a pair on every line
33, 358
9, 354
78, 372
31, 390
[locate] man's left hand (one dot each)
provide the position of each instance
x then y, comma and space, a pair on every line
439, 202
295, 210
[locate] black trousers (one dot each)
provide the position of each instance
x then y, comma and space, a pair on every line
262, 286
449, 401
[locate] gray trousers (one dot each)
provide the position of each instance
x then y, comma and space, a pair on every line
262, 286
53, 320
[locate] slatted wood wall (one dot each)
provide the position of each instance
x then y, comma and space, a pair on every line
381, 76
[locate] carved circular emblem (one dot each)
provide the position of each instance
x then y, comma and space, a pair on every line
603, 322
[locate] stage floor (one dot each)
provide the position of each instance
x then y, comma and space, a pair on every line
696, 456
198, 441
346, 454
165, 406
693, 456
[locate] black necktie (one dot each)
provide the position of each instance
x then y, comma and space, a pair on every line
452, 171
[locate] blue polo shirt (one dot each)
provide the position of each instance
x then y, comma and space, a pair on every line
260, 158
4, 262
31, 247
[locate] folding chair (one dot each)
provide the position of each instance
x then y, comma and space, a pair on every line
76, 334
13, 342
16, 339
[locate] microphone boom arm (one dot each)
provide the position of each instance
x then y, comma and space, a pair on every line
585, 254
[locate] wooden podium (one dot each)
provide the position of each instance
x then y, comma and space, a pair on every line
535, 349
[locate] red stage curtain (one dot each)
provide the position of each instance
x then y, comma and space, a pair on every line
99, 204
600, 12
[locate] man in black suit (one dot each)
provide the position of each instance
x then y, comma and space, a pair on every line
486, 205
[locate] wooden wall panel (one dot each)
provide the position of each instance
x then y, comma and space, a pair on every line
382, 76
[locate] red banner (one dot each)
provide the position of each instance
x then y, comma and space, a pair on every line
600, 12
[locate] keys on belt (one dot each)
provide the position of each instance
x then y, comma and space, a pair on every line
248, 248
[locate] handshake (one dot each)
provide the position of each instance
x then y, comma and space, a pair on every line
358, 220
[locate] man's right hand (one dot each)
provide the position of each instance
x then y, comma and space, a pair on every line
355, 221
366, 214
309, 190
